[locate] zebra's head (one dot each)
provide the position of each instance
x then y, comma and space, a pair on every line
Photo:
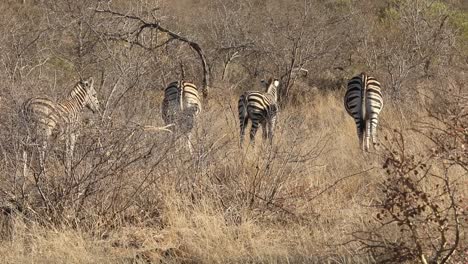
91, 100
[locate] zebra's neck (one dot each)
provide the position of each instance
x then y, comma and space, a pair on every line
75, 102
272, 90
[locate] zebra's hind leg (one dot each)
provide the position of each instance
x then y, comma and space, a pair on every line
25, 157
253, 132
69, 149
243, 124
189, 143
42, 156
264, 131
271, 128
375, 142
360, 132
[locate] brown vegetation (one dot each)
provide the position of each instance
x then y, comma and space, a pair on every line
135, 196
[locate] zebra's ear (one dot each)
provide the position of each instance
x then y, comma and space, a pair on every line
91, 81
276, 82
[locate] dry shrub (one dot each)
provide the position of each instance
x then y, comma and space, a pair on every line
136, 196
420, 215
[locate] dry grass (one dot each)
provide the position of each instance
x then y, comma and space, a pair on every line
298, 202
140, 197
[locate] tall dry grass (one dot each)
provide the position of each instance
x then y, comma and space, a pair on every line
298, 201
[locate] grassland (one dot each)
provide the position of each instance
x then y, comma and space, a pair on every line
297, 202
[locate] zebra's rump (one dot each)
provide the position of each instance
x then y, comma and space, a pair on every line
172, 93
181, 104
191, 99
257, 105
354, 96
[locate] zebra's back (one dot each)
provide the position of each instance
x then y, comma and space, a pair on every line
191, 98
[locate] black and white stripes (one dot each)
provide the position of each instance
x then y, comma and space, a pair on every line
181, 106
261, 108
45, 117
363, 101
49, 116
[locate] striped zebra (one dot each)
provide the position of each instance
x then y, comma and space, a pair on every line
47, 119
181, 106
363, 101
261, 108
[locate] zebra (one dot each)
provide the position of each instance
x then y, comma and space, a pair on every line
363, 101
181, 106
261, 108
46, 118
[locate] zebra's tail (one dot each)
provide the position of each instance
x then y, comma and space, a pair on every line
363, 114
243, 116
242, 107
180, 97
362, 132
